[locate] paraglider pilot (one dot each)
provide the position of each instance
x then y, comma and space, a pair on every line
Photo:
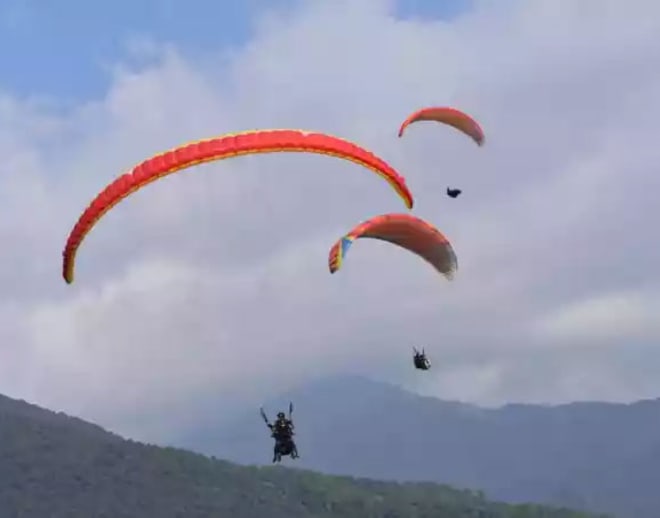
282, 427
282, 430
420, 360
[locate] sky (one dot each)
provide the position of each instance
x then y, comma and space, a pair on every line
210, 289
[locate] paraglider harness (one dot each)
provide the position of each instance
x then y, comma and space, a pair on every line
420, 360
282, 432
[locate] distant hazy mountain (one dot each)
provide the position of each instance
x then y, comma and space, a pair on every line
597, 456
55, 466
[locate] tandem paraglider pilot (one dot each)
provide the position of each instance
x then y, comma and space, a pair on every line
282, 430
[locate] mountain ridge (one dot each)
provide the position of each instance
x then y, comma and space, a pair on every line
59, 466
598, 456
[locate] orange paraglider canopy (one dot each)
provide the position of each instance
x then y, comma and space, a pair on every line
404, 230
218, 148
451, 116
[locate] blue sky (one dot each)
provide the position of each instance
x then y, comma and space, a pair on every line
63, 49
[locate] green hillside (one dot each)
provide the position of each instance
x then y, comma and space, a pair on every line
55, 466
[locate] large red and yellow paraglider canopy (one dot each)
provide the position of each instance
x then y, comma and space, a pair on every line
219, 148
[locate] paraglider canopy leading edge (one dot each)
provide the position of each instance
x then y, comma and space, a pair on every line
225, 146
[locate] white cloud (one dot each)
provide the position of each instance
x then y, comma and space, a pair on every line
213, 283
601, 320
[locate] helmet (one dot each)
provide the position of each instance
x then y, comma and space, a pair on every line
280, 415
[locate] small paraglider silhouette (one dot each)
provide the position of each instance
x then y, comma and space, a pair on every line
420, 360
453, 193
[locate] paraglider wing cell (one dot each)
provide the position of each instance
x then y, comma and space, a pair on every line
226, 146
450, 116
406, 231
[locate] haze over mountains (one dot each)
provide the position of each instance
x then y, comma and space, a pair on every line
56, 466
597, 456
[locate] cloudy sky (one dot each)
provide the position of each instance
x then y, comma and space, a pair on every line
211, 287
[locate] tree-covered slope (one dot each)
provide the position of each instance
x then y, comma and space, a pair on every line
52, 465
